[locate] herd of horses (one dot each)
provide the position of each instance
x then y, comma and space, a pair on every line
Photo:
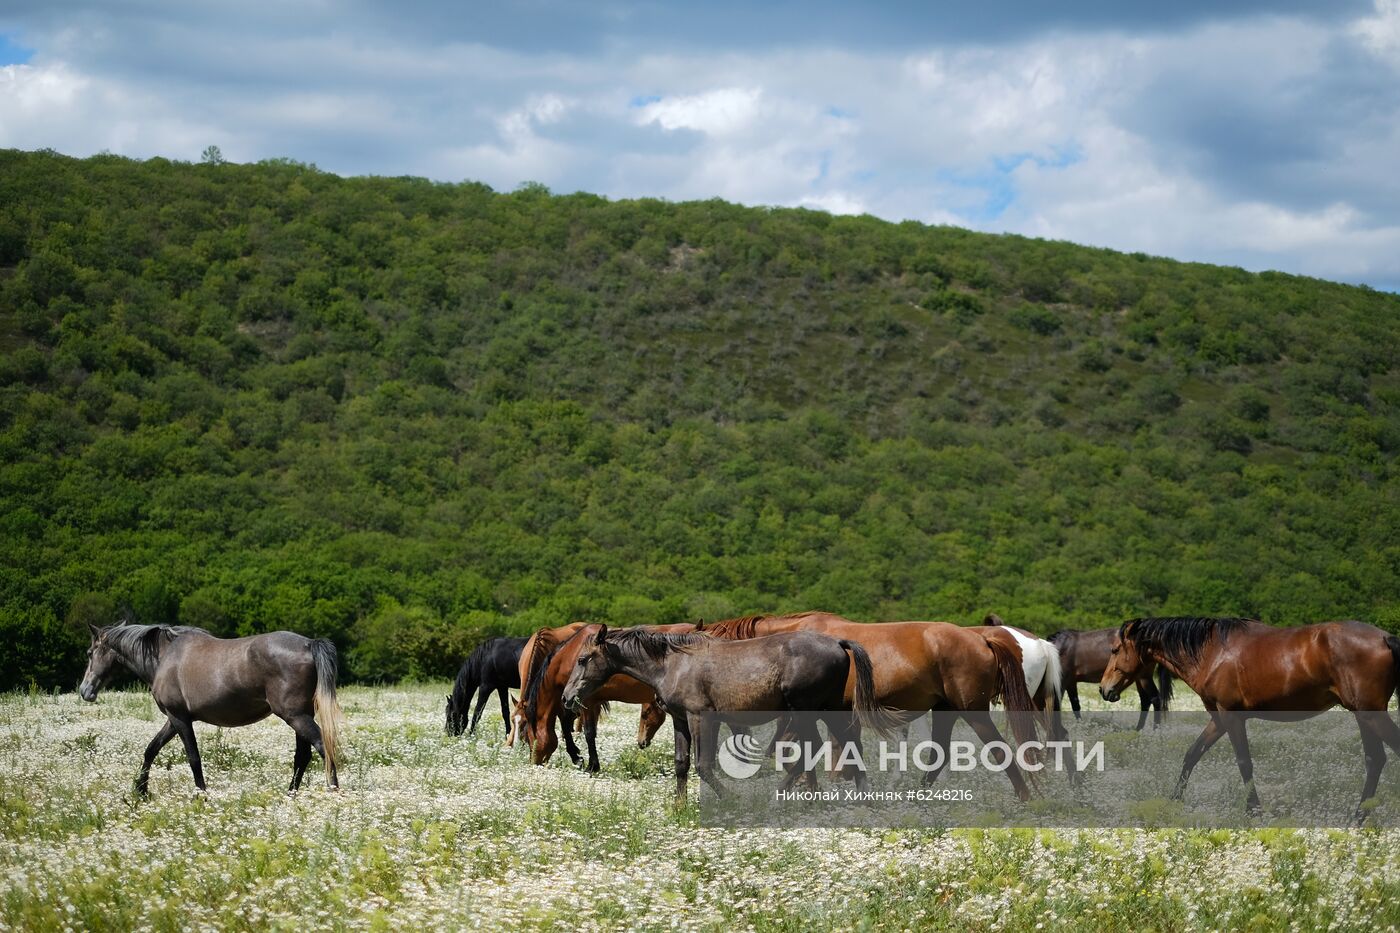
883, 672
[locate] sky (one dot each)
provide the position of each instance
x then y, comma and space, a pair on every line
1259, 134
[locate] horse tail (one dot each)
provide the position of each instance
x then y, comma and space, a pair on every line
1054, 673
1164, 681
1394, 644
326, 706
867, 708
1020, 707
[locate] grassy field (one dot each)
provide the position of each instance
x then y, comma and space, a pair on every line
432, 831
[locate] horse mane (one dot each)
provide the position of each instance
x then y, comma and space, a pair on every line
469, 674
735, 629
1179, 638
543, 647
140, 645
636, 644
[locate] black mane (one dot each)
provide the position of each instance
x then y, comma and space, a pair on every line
636, 643
140, 645
473, 669
1179, 638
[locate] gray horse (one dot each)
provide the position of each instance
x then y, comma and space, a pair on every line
693, 675
195, 677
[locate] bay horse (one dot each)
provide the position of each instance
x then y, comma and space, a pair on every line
694, 674
492, 667
195, 677
1084, 656
926, 666
542, 704
1243, 669
537, 647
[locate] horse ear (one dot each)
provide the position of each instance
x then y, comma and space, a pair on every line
992, 619
602, 635
96, 632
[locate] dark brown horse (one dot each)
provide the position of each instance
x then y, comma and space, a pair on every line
1083, 659
694, 675
195, 677
918, 666
1245, 669
541, 704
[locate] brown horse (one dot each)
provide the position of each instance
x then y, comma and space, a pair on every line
1084, 657
541, 703
1245, 669
195, 677
537, 648
918, 666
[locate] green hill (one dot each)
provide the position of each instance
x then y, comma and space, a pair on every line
406, 414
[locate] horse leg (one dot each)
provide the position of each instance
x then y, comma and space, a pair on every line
940, 734
1384, 727
166, 733
590, 735
1145, 701
566, 726
1208, 737
1058, 733
706, 740
845, 731
504, 694
681, 726
304, 725
981, 723
1239, 738
300, 760
185, 729
483, 694
1373, 747
1072, 688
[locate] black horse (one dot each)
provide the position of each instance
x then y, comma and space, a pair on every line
493, 666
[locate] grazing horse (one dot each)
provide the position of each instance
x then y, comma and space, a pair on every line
1243, 669
919, 666
493, 666
693, 675
1084, 656
542, 703
532, 656
195, 677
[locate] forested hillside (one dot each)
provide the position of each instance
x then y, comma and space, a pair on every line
405, 415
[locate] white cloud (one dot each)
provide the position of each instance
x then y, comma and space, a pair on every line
1268, 142
718, 112
1381, 32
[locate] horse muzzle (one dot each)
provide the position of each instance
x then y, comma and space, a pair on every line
1111, 695
88, 692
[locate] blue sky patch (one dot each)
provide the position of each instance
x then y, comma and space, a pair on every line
12, 52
